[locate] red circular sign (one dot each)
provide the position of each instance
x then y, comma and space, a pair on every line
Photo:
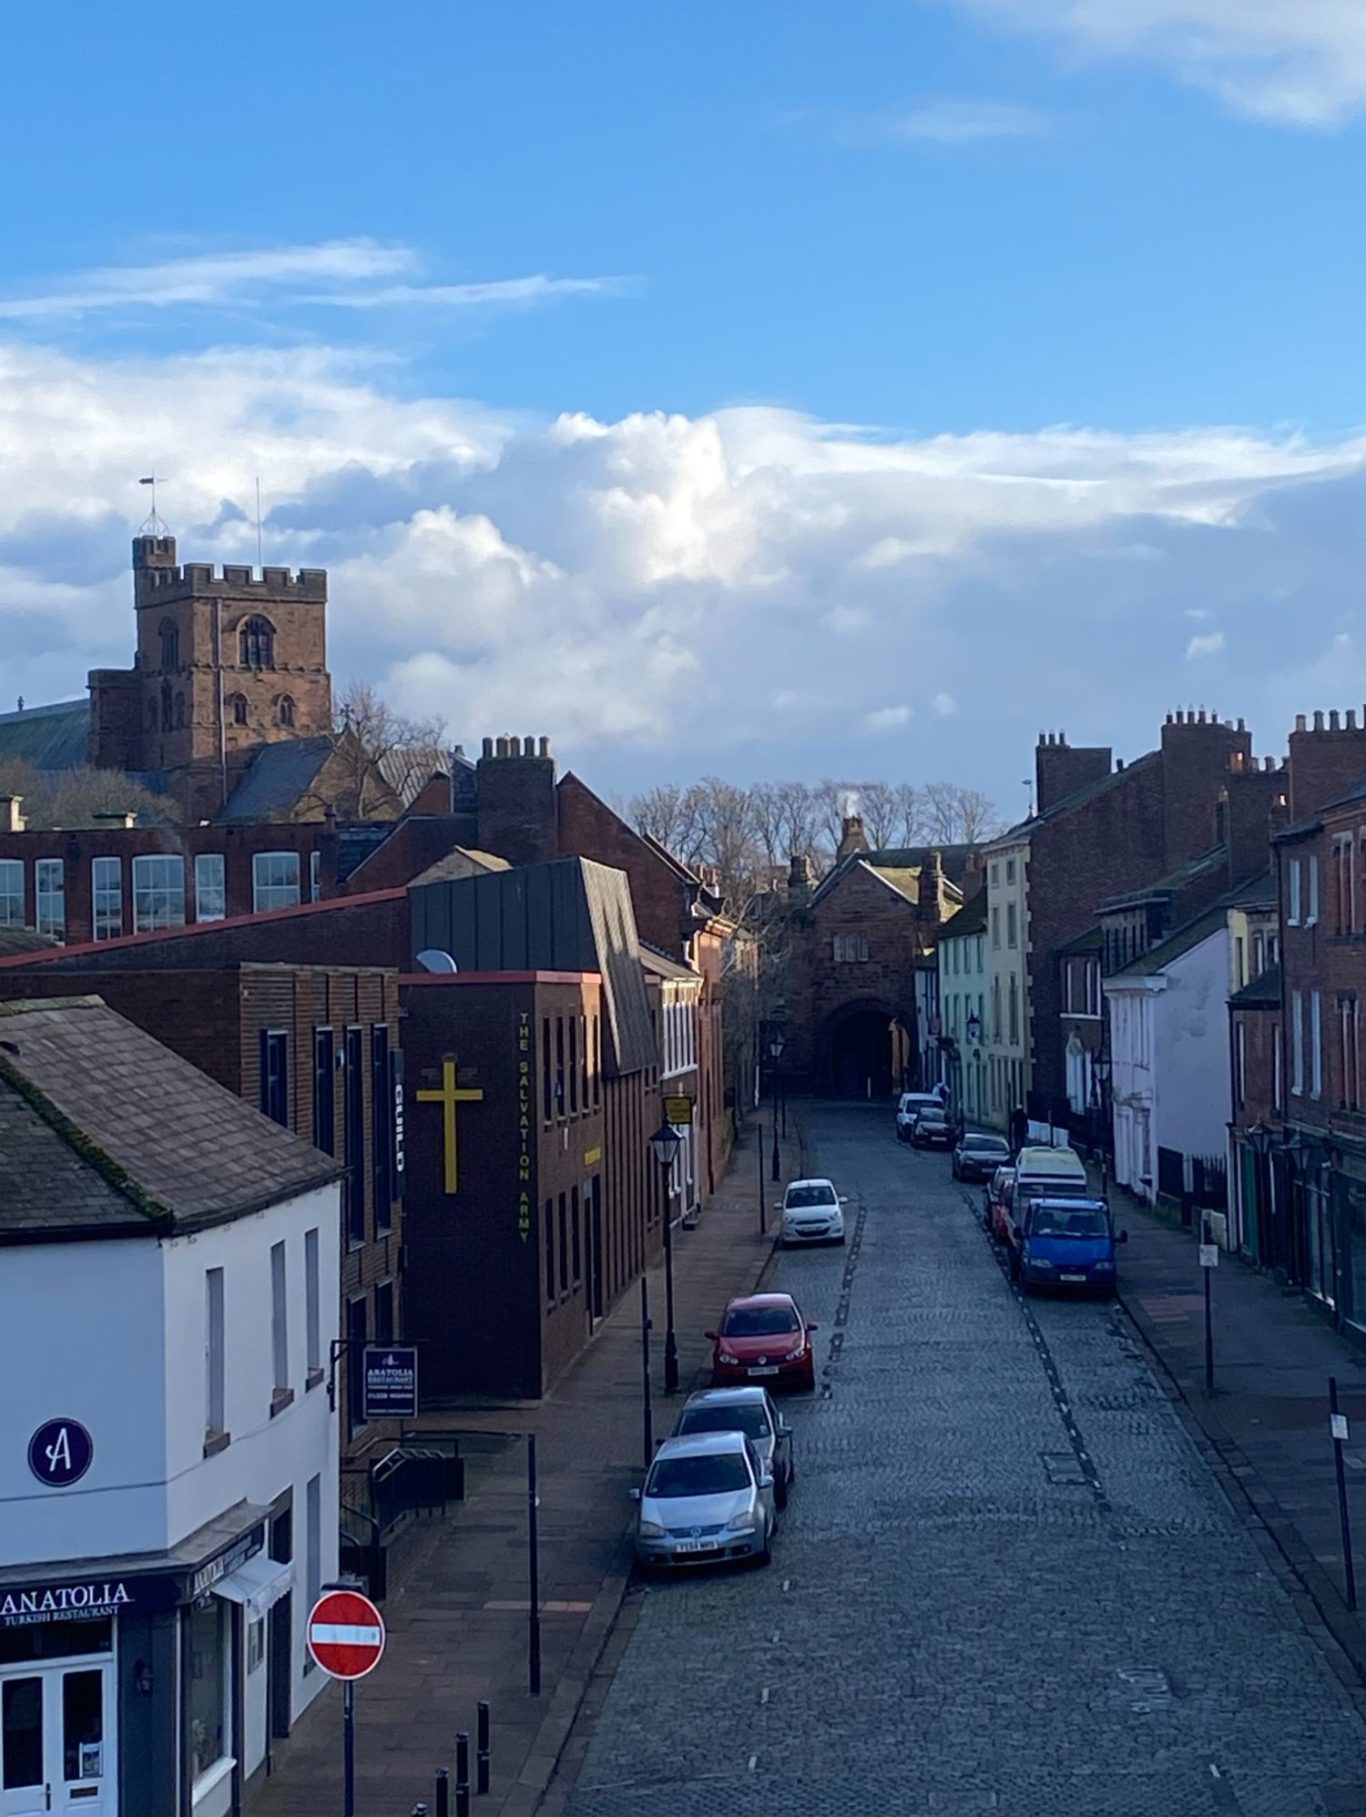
346, 1634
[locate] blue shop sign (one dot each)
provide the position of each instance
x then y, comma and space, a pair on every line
60, 1452
390, 1382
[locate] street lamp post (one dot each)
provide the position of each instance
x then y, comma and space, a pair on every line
1100, 1073
666, 1143
775, 1048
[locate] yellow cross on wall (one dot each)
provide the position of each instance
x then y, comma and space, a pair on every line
448, 1097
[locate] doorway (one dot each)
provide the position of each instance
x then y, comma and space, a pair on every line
57, 1746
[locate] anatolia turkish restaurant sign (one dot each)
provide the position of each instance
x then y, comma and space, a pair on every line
64, 1602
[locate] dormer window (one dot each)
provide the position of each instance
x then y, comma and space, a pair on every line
256, 640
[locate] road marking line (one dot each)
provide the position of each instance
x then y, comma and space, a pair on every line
787, 1583
763, 1695
753, 1762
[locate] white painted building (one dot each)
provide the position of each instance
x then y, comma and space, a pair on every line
963, 988
1008, 1035
677, 1011
1169, 1052
168, 1505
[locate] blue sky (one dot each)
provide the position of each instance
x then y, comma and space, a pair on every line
726, 345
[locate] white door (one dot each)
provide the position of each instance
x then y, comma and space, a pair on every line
57, 1742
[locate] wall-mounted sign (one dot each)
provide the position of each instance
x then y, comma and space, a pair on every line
60, 1452
678, 1110
524, 1124
390, 1382
396, 1087
237, 1554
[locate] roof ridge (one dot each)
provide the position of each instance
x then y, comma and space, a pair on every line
80, 1143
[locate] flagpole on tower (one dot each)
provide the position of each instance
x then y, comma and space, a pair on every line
153, 523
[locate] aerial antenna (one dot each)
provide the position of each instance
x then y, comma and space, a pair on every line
1028, 783
260, 559
153, 524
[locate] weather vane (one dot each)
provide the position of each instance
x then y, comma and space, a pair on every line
153, 524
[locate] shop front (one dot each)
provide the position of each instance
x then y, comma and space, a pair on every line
138, 1687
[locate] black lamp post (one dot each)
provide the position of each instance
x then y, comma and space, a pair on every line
1260, 1138
666, 1143
1100, 1073
775, 1048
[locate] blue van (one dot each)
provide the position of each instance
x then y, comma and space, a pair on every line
1066, 1243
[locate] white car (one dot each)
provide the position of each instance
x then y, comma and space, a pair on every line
909, 1108
813, 1212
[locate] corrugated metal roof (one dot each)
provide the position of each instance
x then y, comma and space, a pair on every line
55, 737
277, 779
104, 1127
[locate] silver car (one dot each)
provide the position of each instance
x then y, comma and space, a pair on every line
751, 1411
706, 1501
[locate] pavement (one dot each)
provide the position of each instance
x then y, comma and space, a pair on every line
458, 1626
1011, 1577
1268, 1417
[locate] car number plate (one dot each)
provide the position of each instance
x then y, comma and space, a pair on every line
693, 1545
769, 1369
1073, 1277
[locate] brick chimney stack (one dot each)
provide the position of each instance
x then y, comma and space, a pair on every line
1060, 769
518, 814
1325, 760
852, 839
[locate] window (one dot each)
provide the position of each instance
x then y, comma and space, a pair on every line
1011, 930
1316, 1044
180, 712
358, 1332
313, 1330
158, 893
167, 706
996, 929
995, 875
564, 1243
49, 888
550, 1252
210, 887
850, 949
1010, 870
315, 876
996, 1010
583, 1062
170, 644
1240, 1063
106, 897
324, 1098
1292, 913
213, 1352
573, 1066
559, 1066
355, 1134
1276, 1099
381, 1128
11, 892
279, 1318
576, 1234
209, 1685
286, 709
1347, 1051
313, 1546
1342, 883
1313, 915
274, 880
1258, 954
1014, 1012
256, 644
237, 706
1297, 1044
1239, 962
597, 1062
275, 1075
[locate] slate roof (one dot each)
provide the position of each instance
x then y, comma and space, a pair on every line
970, 919
55, 737
103, 1131
1256, 893
25, 940
1181, 940
1078, 798
1091, 941
1189, 872
408, 768
900, 866
1259, 993
277, 779
461, 861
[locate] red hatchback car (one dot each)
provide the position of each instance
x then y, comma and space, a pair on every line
763, 1337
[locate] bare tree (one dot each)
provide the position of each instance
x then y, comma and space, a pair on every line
832, 803
880, 812
82, 796
667, 814
978, 818
910, 813
374, 743
939, 809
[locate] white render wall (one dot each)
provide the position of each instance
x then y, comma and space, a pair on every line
1192, 1062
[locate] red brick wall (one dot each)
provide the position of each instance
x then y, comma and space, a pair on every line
415, 843
1326, 760
589, 829
1260, 1037
1060, 769
517, 806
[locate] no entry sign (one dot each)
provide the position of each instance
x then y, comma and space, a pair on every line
346, 1634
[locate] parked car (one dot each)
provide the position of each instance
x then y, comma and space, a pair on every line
813, 1212
751, 1411
1056, 1171
706, 1500
994, 1200
1066, 1243
977, 1157
1003, 1208
932, 1129
763, 1335
909, 1108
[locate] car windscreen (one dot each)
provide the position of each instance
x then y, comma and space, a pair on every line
797, 1196
746, 1417
985, 1145
932, 1116
1054, 1189
759, 1322
1063, 1221
719, 1474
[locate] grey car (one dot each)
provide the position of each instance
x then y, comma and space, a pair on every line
706, 1501
751, 1411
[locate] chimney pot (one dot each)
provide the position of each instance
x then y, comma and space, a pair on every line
1318, 722
545, 747
488, 747
1169, 719
1333, 720
1300, 722
528, 747
1351, 718
1119, 765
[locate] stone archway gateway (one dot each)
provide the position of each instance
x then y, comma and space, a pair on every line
864, 1050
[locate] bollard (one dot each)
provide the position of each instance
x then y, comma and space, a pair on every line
462, 1776
419, 1810
481, 1765
443, 1792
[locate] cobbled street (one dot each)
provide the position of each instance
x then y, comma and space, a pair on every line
1006, 1581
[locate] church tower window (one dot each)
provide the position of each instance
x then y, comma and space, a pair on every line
238, 704
170, 645
286, 709
257, 644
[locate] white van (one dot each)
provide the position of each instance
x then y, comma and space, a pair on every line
1052, 1173
909, 1108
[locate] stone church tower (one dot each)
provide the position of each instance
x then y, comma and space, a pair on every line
223, 665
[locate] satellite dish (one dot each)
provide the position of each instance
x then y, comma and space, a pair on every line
434, 960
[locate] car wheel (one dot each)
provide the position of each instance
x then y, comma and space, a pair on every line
765, 1556
780, 1492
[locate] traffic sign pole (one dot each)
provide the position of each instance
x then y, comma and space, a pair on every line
349, 1748
345, 1635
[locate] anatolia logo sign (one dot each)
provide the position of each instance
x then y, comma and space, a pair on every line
62, 1602
60, 1452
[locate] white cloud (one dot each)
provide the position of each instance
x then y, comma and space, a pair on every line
337, 273
949, 122
678, 594
1208, 644
1300, 62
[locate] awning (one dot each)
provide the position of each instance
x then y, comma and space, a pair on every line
257, 1585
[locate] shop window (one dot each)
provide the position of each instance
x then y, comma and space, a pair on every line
209, 1683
